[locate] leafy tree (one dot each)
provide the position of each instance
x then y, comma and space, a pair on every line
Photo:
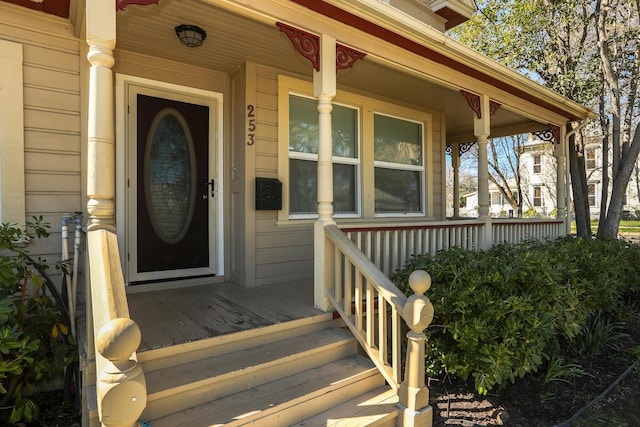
588, 51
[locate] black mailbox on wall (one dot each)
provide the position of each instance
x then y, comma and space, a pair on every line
268, 194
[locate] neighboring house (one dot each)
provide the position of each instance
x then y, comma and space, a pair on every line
538, 176
498, 208
299, 142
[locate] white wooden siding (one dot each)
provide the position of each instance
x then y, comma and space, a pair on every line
51, 86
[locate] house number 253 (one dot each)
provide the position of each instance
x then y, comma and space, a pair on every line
251, 119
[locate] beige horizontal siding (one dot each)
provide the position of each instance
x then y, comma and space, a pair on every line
51, 82
281, 255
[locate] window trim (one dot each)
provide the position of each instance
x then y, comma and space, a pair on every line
539, 188
401, 167
587, 159
368, 106
12, 179
352, 161
595, 195
537, 164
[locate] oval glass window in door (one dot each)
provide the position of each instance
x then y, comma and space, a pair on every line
170, 175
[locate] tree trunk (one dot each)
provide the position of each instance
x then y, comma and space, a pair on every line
610, 227
579, 188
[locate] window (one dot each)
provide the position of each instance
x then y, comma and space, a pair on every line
12, 180
303, 157
380, 153
590, 158
591, 194
537, 196
496, 198
398, 165
537, 163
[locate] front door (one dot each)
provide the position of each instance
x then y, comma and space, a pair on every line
172, 186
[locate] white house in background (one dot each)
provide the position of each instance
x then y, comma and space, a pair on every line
499, 206
538, 174
538, 167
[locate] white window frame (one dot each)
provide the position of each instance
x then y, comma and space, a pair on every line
12, 179
593, 151
403, 167
367, 106
541, 198
594, 195
537, 163
352, 161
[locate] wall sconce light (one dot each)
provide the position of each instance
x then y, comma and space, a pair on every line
191, 35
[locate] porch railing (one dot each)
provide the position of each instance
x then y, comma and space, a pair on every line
372, 307
389, 248
120, 383
516, 231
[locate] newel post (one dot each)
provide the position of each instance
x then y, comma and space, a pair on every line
121, 380
413, 395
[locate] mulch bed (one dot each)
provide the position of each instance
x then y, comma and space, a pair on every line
530, 403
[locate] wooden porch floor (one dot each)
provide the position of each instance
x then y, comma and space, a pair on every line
175, 316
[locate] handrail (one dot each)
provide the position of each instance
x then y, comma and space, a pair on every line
371, 306
120, 383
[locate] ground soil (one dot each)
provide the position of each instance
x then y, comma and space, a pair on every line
530, 403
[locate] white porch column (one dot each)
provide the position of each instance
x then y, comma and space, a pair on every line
481, 130
121, 392
101, 37
559, 151
324, 88
455, 163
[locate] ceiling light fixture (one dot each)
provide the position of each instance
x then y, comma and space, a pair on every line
191, 35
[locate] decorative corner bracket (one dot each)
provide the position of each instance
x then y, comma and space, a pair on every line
474, 102
493, 107
122, 4
307, 44
347, 57
463, 147
549, 135
555, 130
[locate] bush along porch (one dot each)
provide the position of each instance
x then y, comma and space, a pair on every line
36, 345
517, 310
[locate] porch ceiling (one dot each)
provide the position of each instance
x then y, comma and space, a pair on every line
233, 39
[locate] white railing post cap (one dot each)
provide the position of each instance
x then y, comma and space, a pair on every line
420, 281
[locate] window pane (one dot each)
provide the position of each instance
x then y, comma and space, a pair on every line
303, 195
344, 188
397, 190
303, 128
303, 125
344, 122
303, 177
397, 141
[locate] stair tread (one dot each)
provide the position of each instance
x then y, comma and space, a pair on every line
254, 403
232, 363
373, 408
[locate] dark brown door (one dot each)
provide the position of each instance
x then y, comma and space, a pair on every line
173, 188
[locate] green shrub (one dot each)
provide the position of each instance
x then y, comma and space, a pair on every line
34, 342
500, 313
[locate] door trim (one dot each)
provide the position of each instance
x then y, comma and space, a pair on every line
125, 125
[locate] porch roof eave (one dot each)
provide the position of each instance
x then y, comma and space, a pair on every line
374, 17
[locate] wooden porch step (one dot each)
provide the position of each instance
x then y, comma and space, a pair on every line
164, 357
284, 401
176, 388
375, 408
